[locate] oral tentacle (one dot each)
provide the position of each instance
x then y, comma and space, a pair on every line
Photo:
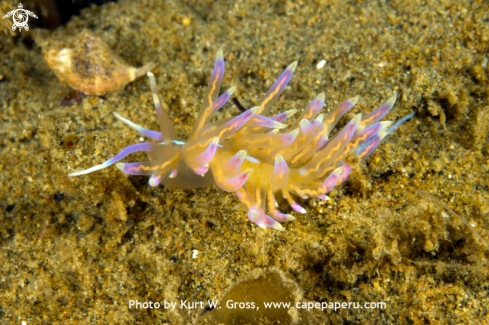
146, 146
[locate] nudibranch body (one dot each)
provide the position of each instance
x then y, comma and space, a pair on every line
255, 156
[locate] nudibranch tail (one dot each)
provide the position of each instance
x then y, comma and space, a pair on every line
255, 156
367, 148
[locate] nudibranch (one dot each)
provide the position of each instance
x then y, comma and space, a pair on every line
87, 64
255, 156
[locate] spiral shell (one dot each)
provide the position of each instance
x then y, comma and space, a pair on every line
88, 65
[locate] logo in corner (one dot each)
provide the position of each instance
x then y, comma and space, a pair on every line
20, 17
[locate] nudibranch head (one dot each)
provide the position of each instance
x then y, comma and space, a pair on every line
255, 156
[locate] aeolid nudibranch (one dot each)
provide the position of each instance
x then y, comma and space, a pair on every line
255, 156
87, 64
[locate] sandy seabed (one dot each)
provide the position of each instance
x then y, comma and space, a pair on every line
409, 233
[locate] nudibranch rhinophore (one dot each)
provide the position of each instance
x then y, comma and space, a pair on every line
255, 156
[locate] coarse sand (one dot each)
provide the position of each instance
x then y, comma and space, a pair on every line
409, 230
